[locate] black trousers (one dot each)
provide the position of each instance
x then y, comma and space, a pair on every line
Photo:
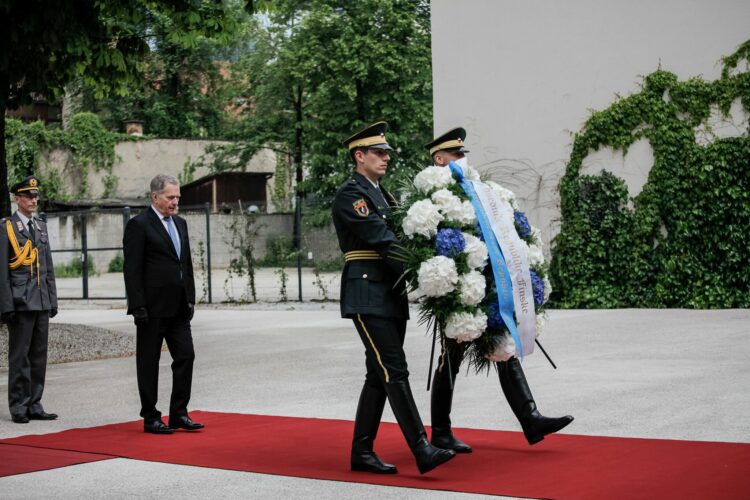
383, 339
27, 361
150, 337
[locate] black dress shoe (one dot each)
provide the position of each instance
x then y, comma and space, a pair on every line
184, 423
42, 415
20, 419
156, 427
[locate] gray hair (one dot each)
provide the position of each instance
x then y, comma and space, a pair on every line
160, 181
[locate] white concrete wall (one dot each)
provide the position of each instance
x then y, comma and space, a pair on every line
139, 161
522, 77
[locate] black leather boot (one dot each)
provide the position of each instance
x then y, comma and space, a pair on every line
442, 401
516, 389
405, 409
366, 423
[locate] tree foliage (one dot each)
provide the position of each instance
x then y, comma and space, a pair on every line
322, 69
46, 46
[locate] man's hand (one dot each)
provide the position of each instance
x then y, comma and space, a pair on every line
9, 318
140, 316
191, 311
53, 312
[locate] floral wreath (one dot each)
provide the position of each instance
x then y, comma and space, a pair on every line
446, 262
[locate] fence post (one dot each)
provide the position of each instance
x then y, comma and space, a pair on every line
125, 217
208, 248
298, 241
84, 257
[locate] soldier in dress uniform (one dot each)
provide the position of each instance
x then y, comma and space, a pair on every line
444, 149
28, 299
375, 299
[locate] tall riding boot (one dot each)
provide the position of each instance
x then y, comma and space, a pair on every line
366, 423
405, 409
442, 400
535, 425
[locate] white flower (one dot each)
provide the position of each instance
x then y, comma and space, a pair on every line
541, 322
422, 218
470, 173
505, 348
536, 255
471, 285
547, 288
437, 277
465, 327
476, 251
432, 178
505, 194
467, 216
448, 203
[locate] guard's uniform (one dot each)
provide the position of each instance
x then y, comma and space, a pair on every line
372, 293
27, 288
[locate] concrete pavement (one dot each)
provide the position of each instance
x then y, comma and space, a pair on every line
673, 374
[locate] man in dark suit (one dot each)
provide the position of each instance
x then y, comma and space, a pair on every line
161, 296
28, 299
375, 299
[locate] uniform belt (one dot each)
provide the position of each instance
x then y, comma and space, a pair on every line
362, 255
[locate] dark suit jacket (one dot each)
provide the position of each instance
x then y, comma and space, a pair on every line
155, 276
363, 221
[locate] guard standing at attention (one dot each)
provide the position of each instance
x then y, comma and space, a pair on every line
28, 299
444, 149
374, 297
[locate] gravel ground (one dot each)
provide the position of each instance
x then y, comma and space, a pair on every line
74, 342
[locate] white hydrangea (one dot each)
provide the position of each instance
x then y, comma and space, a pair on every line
547, 288
432, 178
476, 251
536, 255
467, 215
437, 277
505, 348
465, 327
470, 173
422, 218
541, 322
472, 285
448, 203
505, 194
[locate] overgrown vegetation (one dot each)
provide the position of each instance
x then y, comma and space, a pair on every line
90, 145
681, 242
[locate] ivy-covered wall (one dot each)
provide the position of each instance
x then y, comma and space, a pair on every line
684, 241
90, 146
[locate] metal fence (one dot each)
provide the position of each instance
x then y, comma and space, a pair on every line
87, 243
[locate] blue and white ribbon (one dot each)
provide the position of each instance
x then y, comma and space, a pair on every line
509, 264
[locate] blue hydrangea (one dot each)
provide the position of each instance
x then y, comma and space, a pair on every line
522, 224
537, 284
494, 320
449, 242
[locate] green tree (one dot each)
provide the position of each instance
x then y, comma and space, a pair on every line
46, 46
320, 70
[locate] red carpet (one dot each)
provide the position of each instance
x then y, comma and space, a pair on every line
22, 459
562, 466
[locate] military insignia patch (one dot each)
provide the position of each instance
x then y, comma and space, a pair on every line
33, 183
360, 206
19, 225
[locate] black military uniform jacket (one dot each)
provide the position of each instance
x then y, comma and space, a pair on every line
370, 283
30, 286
